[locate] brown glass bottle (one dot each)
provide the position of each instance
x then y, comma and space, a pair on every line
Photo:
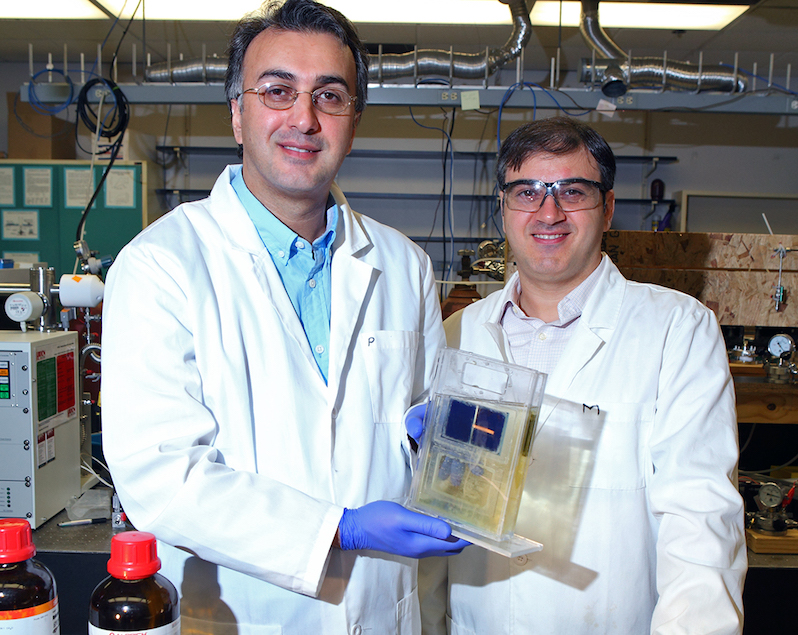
134, 597
28, 596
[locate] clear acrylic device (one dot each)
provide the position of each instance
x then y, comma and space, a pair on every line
473, 459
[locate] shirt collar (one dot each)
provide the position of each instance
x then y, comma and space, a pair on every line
277, 237
570, 307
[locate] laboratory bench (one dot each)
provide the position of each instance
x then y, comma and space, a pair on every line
77, 557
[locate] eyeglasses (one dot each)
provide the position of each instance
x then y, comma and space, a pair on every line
330, 101
570, 195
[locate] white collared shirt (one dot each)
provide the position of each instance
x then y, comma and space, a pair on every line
538, 344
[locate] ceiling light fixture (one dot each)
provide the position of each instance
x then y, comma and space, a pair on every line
641, 15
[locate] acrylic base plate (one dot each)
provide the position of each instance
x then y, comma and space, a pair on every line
510, 547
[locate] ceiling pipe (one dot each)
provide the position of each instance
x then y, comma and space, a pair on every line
617, 72
417, 63
427, 62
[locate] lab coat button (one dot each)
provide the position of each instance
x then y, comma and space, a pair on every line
521, 560
357, 629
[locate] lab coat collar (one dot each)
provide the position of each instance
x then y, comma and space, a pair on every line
351, 276
602, 309
239, 230
350, 237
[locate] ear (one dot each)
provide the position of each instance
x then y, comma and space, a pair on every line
609, 209
235, 113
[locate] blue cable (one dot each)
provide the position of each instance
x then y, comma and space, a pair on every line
38, 105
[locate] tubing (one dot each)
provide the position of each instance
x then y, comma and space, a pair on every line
617, 72
417, 63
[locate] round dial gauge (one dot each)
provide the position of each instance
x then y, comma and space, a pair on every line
771, 495
781, 345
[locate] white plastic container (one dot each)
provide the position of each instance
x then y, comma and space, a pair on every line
473, 459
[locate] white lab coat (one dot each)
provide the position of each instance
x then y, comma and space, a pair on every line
632, 489
223, 438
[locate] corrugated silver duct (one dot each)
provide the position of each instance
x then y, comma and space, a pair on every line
594, 35
425, 62
210, 70
656, 72
617, 72
417, 63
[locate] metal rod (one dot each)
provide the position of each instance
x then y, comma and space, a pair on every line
700, 69
770, 72
558, 66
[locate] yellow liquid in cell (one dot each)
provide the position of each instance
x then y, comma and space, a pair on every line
475, 487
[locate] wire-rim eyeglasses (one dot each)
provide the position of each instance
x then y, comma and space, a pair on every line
330, 101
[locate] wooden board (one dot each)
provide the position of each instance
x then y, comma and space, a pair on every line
735, 275
763, 543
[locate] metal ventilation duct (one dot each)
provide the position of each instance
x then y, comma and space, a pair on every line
427, 62
418, 63
617, 72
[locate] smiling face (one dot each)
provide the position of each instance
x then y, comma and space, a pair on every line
292, 156
555, 250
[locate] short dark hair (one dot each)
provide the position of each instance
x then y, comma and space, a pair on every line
294, 15
556, 135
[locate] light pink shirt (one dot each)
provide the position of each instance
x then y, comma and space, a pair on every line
537, 344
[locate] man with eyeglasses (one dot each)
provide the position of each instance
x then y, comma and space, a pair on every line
261, 347
632, 487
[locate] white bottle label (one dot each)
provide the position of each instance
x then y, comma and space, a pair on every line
39, 620
173, 628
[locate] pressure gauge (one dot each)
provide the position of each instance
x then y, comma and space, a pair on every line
781, 345
770, 495
24, 306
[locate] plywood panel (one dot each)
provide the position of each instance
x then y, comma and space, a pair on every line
736, 275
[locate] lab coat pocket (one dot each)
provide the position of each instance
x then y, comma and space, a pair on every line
620, 455
408, 618
390, 359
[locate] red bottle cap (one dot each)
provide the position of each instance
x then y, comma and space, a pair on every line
16, 542
134, 556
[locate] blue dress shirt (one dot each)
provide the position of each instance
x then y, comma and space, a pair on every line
303, 267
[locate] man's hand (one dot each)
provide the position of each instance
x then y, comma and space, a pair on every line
414, 422
387, 526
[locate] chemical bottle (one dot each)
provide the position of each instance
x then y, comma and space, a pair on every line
28, 597
135, 597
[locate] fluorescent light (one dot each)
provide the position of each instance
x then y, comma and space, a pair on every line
642, 15
51, 10
425, 11
226, 11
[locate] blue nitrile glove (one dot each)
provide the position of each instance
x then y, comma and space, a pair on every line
414, 421
387, 526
